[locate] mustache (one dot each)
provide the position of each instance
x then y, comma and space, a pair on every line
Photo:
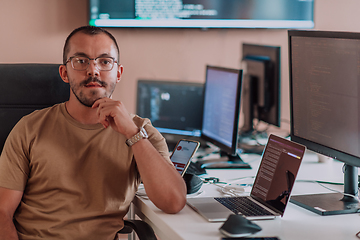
95, 80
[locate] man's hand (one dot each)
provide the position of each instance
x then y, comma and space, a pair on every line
163, 184
114, 114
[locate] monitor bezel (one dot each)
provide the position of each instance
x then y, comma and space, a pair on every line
162, 130
209, 23
271, 56
232, 150
311, 145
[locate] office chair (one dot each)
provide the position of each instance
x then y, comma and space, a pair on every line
35, 86
141, 228
25, 88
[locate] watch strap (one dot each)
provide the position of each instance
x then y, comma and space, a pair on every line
142, 134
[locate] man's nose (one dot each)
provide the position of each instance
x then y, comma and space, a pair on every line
93, 69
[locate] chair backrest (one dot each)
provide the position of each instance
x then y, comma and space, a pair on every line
25, 88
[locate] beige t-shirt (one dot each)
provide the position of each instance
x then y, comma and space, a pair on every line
78, 180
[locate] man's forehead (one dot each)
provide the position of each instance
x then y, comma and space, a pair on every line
84, 43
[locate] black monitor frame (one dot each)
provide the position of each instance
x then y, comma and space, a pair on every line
191, 109
201, 14
324, 204
229, 151
261, 91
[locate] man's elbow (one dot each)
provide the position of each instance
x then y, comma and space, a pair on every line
175, 205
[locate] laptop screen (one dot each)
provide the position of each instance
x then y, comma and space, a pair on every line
277, 172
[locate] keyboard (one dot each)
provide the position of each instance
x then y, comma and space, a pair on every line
244, 206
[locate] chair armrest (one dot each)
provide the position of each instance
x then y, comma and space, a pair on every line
141, 228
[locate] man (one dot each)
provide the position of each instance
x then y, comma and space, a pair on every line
70, 171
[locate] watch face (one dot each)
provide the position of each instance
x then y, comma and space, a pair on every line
144, 133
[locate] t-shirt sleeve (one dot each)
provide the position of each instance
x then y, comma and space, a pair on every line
14, 161
155, 137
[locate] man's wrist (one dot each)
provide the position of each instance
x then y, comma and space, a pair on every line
142, 134
131, 133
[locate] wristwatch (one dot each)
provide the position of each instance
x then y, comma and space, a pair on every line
142, 134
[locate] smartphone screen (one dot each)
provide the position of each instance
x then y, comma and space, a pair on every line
182, 154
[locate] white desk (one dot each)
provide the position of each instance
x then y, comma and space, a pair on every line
296, 224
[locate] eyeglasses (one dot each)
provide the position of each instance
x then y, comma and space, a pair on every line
82, 63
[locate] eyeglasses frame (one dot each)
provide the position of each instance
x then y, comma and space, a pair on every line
94, 59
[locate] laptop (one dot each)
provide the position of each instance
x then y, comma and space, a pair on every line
271, 190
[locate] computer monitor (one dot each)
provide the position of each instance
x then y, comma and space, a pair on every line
220, 122
174, 108
261, 86
202, 13
325, 110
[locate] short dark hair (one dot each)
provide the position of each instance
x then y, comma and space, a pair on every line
89, 30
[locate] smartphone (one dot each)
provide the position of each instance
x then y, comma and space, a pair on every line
182, 154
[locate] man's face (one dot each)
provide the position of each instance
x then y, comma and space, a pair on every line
92, 84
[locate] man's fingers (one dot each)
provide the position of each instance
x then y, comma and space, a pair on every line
99, 101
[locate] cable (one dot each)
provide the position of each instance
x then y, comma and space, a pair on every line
226, 187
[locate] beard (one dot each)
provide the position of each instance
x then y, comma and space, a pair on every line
88, 99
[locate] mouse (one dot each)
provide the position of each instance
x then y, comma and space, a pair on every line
238, 226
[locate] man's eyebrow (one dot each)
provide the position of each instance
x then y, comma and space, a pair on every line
82, 54
106, 55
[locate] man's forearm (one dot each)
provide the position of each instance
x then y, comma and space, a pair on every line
7, 228
163, 184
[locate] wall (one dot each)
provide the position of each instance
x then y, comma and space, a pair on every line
34, 31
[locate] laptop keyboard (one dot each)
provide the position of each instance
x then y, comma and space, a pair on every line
244, 206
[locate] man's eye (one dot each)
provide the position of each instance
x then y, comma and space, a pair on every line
105, 61
81, 61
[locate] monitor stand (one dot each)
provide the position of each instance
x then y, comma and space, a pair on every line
333, 203
225, 161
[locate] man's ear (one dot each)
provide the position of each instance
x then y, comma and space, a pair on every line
120, 71
63, 73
